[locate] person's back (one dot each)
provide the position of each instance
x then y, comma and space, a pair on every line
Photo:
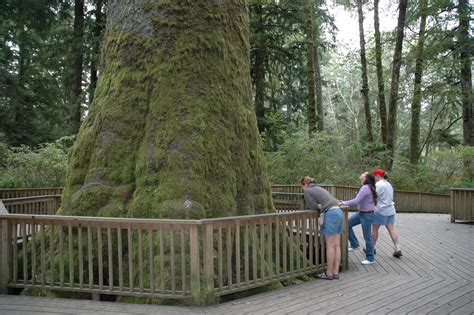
385, 205
314, 195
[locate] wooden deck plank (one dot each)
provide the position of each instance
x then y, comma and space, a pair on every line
434, 276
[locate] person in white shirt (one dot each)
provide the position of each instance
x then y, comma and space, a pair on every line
385, 211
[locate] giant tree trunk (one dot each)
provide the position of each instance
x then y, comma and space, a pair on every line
466, 82
416, 104
309, 28
75, 88
172, 132
365, 82
397, 61
259, 74
380, 78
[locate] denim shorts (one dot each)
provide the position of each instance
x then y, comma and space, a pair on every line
332, 222
384, 220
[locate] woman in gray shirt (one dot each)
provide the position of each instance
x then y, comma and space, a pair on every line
319, 199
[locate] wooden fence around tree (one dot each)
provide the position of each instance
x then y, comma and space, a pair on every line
462, 204
179, 259
405, 201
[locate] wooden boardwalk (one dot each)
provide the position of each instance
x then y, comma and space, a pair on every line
435, 276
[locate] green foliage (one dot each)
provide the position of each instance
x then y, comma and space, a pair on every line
331, 160
44, 166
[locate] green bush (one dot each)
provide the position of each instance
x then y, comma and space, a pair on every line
44, 166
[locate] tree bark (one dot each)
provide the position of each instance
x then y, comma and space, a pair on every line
309, 28
416, 104
365, 82
380, 77
98, 35
172, 132
75, 88
466, 75
392, 106
259, 78
319, 89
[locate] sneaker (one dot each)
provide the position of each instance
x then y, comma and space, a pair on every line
397, 254
324, 276
353, 249
335, 276
367, 262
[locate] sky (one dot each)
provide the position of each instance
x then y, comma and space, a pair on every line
348, 25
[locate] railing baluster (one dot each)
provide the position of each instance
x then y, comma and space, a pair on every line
219, 258
24, 249
33, 254
130, 258
237, 254
262, 249
70, 255
100, 257
229, 256
61, 255
270, 249
110, 258
152, 259
120, 257
254, 251
277, 246
81, 258
162, 262
89, 256
15, 251
140, 258
172, 262
183, 263
246, 253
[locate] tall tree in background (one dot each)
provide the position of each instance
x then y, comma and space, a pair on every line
417, 95
172, 132
380, 77
309, 28
77, 47
396, 64
365, 82
97, 32
318, 86
466, 47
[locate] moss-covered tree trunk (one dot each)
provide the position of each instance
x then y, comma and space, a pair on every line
417, 96
396, 65
172, 132
365, 81
309, 29
380, 77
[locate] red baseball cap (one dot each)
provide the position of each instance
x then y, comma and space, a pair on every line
379, 172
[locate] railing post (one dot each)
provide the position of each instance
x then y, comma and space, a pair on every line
195, 266
5, 254
208, 261
451, 205
345, 240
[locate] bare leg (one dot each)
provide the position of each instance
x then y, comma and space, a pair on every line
375, 233
393, 234
333, 254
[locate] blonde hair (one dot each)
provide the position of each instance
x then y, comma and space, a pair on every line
306, 180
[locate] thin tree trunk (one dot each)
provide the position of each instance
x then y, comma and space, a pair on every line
319, 89
98, 34
309, 28
416, 104
172, 132
380, 77
260, 71
392, 106
466, 81
75, 89
365, 82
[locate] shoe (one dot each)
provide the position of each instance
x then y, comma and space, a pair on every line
353, 249
335, 276
324, 276
367, 262
397, 254
365, 251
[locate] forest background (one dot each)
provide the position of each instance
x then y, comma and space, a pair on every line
324, 107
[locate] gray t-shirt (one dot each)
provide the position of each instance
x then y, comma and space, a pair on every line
385, 205
314, 195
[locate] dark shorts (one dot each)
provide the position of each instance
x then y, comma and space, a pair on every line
332, 222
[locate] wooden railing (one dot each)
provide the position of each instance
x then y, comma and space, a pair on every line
178, 259
7, 193
405, 201
47, 205
462, 204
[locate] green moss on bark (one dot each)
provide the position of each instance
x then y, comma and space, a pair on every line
172, 125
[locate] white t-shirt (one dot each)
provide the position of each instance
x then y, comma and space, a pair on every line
385, 205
